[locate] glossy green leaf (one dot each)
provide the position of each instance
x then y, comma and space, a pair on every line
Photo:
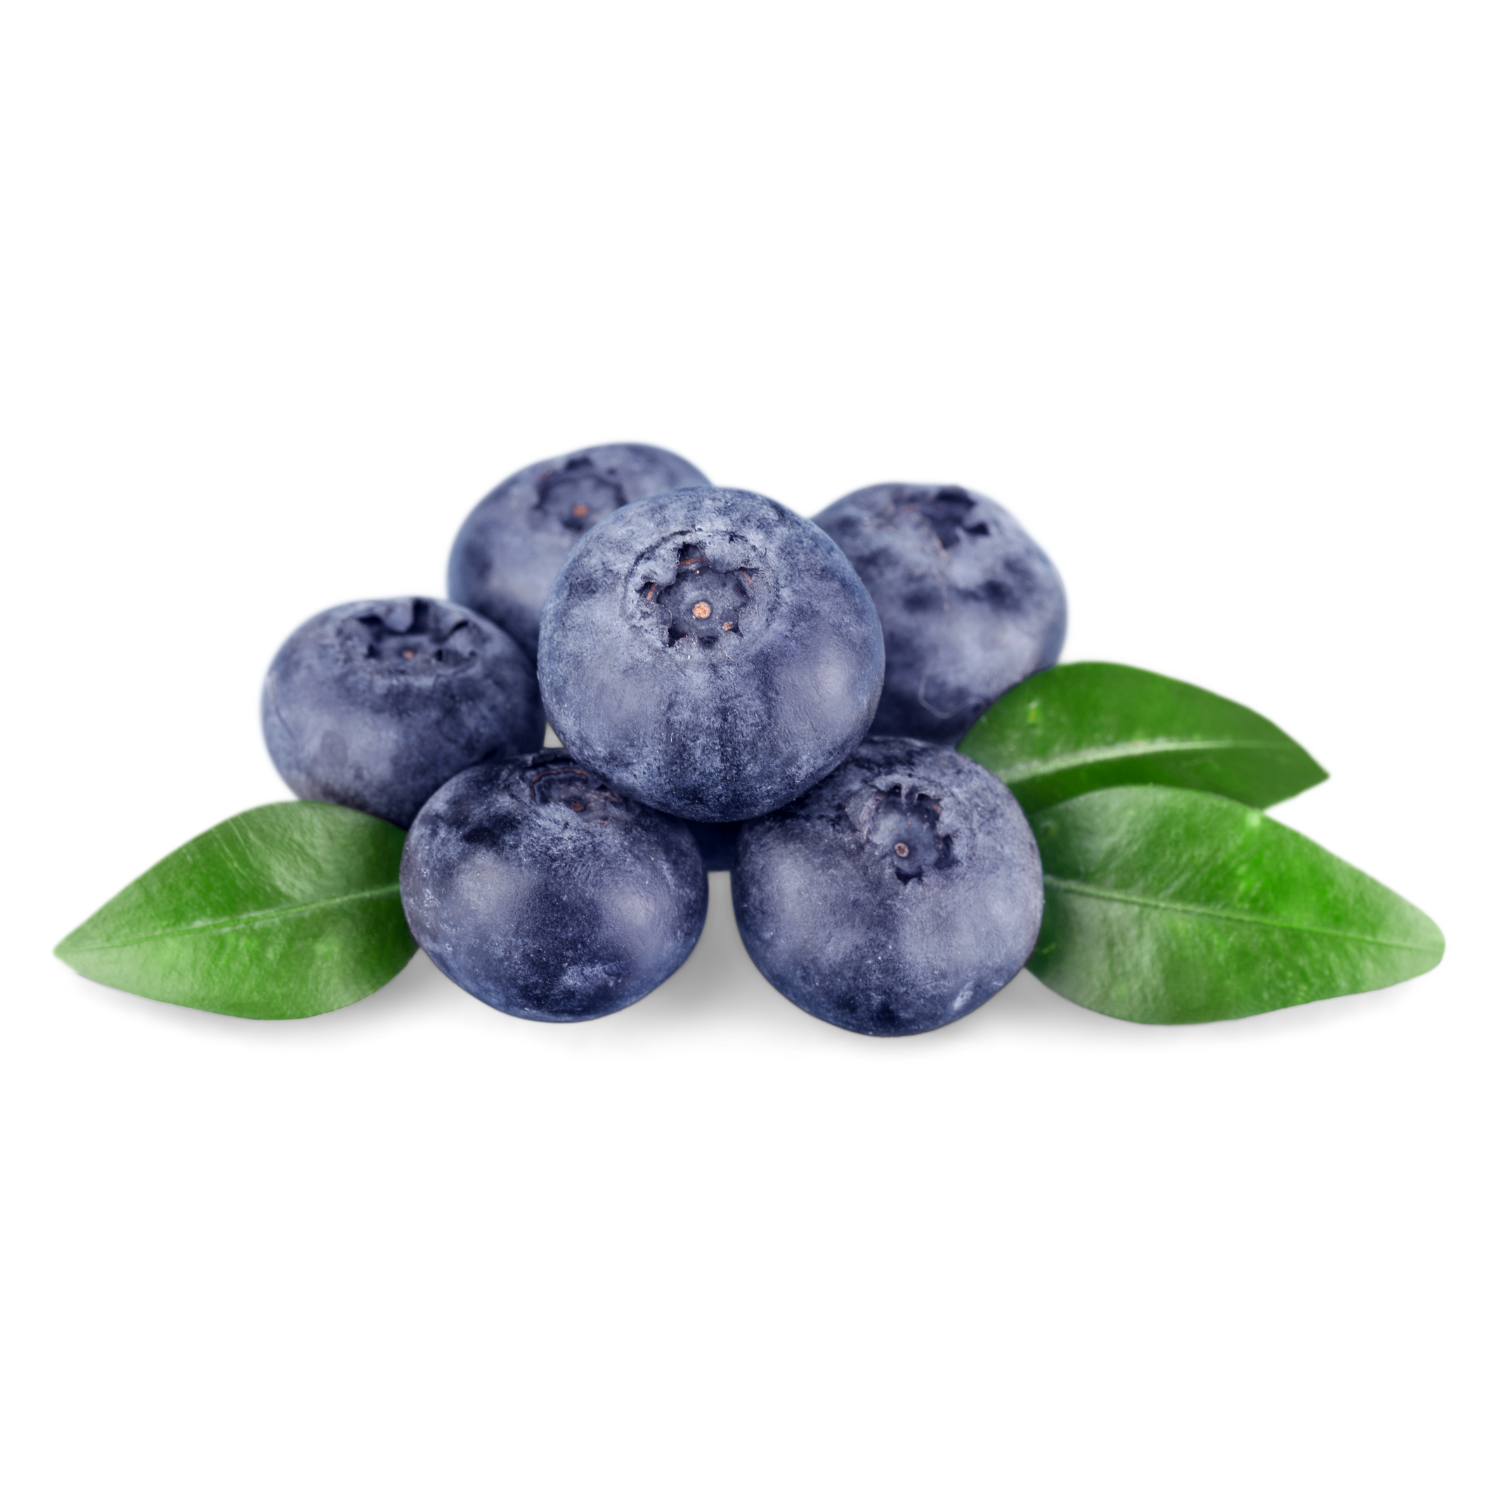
1167, 905
1093, 724
287, 910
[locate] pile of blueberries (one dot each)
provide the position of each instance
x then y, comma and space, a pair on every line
737, 688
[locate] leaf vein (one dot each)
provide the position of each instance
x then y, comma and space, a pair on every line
243, 919
1101, 753
1188, 908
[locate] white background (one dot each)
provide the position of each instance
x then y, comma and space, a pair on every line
1206, 294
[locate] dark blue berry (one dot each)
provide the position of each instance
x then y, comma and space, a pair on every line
375, 705
538, 888
710, 652
509, 549
968, 602
897, 895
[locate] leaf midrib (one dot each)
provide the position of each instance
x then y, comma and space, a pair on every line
1218, 915
1071, 761
241, 919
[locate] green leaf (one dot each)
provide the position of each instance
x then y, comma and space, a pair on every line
1092, 724
287, 910
1166, 905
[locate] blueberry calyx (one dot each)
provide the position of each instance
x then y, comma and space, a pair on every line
420, 632
902, 824
578, 496
566, 784
950, 514
703, 602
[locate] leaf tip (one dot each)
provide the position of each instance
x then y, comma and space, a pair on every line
68, 946
1438, 944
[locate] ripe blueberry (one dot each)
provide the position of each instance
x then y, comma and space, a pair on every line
509, 549
897, 895
709, 652
375, 705
540, 890
968, 602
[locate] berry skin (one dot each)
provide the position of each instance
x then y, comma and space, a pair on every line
968, 602
894, 897
509, 549
375, 705
540, 890
709, 652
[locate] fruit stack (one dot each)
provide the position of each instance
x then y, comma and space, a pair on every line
859, 716
736, 687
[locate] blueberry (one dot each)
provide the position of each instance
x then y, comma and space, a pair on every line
969, 603
897, 895
375, 705
509, 549
536, 887
710, 653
